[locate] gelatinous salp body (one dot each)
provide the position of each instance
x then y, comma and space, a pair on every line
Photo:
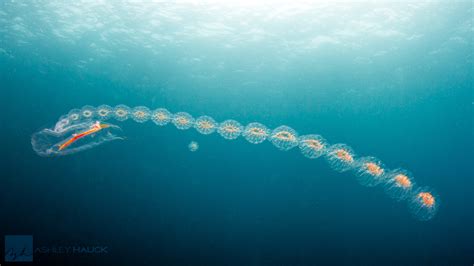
73, 138
312, 146
256, 133
230, 129
370, 171
141, 114
121, 112
193, 146
284, 138
161, 116
182, 120
340, 157
399, 184
88, 112
423, 204
104, 112
205, 125
74, 115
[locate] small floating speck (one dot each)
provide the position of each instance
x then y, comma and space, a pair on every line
193, 146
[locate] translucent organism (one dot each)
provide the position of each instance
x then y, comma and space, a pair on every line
78, 131
62, 123
399, 184
182, 120
340, 157
193, 146
88, 112
423, 204
74, 115
230, 129
256, 133
205, 125
284, 138
312, 146
161, 116
121, 112
104, 112
370, 171
73, 138
141, 114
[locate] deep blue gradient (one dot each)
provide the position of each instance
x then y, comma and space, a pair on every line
151, 201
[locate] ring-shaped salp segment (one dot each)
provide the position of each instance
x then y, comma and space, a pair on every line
121, 112
161, 116
205, 125
399, 185
104, 112
230, 129
423, 203
74, 115
62, 123
256, 133
141, 114
88, 112
370, 171
312, 146
284, 138
182, 120
340, 157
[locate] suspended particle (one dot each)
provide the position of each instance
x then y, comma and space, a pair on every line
205, 125
141, 114
256, 133
312, 146
370, 171
399, 184
88, 112
230, 129
104, 112
284, 138
340, 157
121, 112
193, 146
423, 204
74, 115
182, 120
161, 116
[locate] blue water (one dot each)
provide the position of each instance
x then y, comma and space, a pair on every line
392, 80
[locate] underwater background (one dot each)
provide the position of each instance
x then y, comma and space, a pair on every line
390, 79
